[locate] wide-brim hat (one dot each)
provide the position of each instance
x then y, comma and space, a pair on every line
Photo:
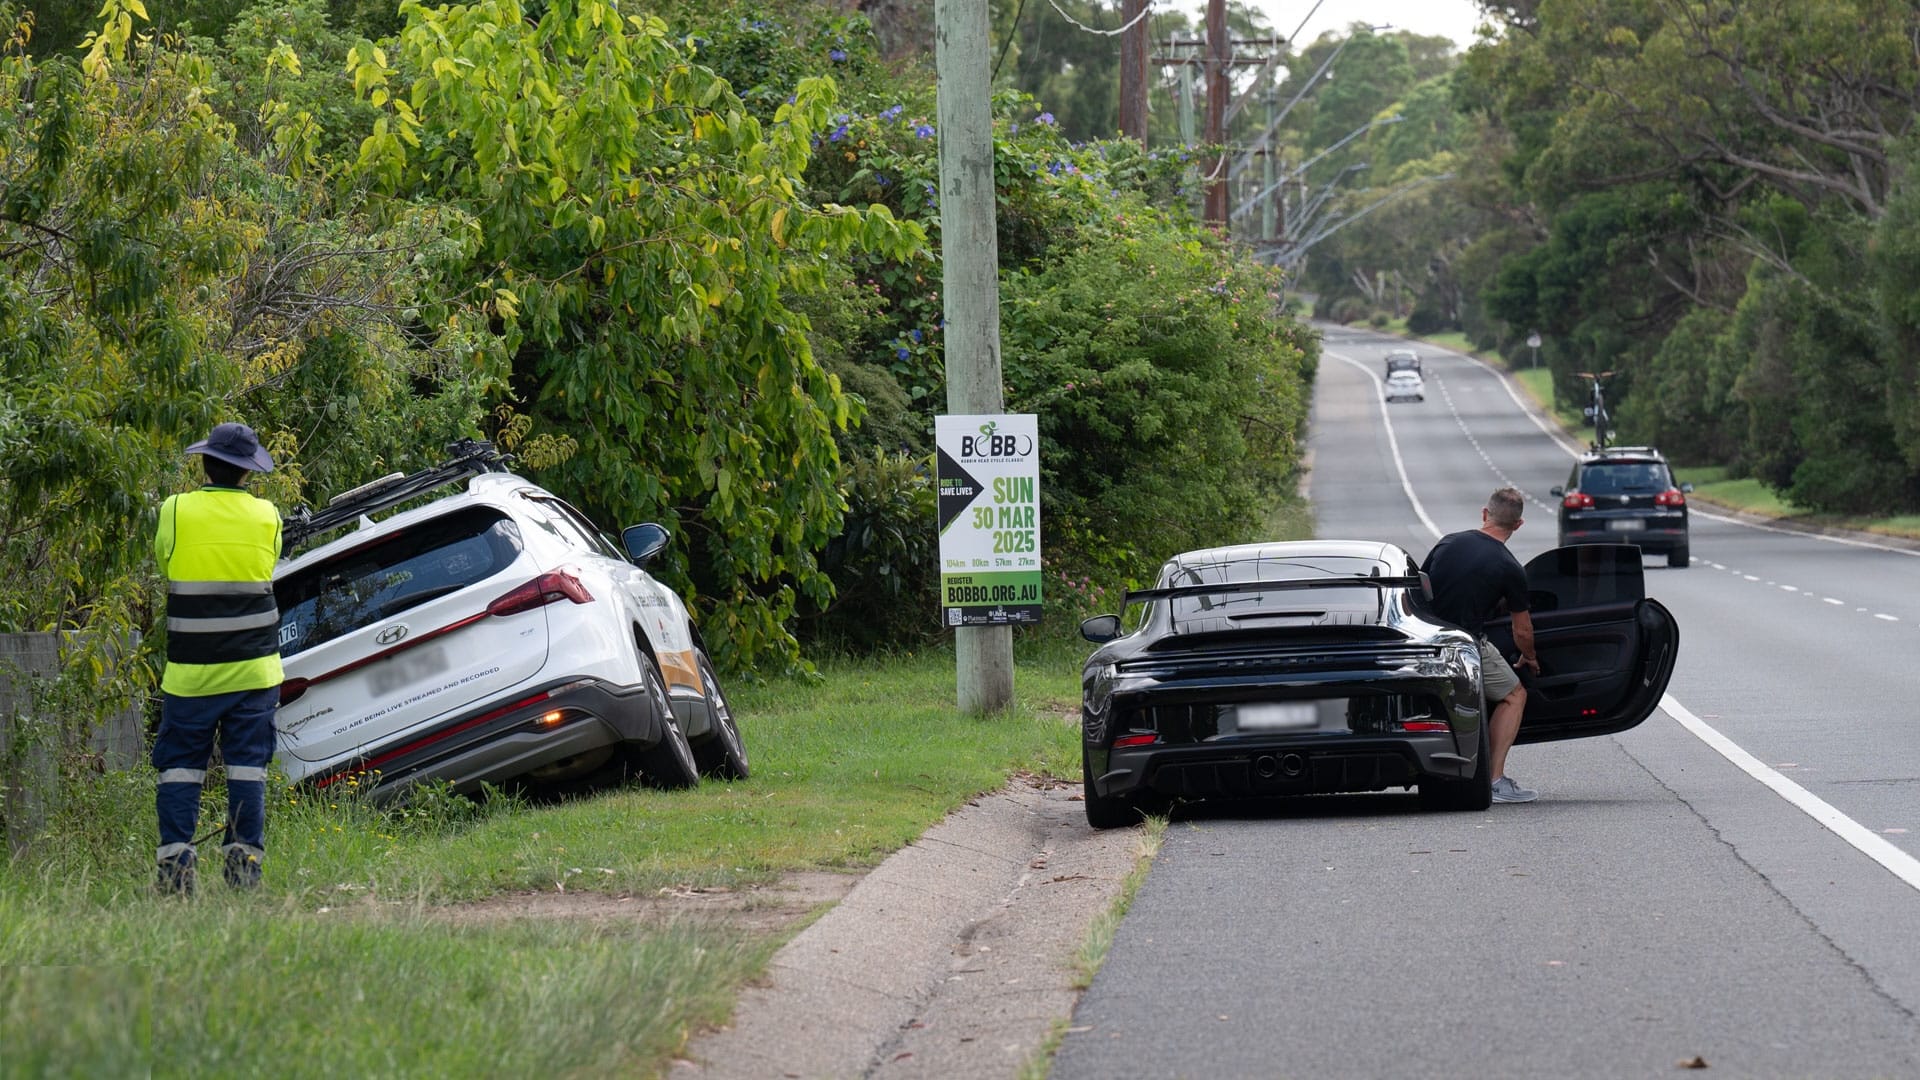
235, 444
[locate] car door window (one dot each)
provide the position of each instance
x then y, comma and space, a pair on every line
1606, 650
571, 525
1588, 575
602, 543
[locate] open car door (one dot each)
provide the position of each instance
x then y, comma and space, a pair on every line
1606, 649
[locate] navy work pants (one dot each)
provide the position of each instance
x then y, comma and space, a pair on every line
243, 722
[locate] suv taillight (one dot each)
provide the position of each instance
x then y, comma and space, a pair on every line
549, 588
1670, 497
1576, 500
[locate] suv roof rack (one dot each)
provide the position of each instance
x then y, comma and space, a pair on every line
466, 458
1625, 451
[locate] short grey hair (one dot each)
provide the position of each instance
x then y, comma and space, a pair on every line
1504, 506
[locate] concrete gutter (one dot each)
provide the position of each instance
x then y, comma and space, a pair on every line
954, 958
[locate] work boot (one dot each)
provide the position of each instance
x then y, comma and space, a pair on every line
176, 875
243, 866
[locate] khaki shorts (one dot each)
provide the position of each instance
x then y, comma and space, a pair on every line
1497, 679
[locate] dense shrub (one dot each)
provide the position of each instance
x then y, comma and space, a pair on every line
1426, 319
883, 561
1170, 397
1167, 378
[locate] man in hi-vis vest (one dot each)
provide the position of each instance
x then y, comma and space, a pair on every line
217, 547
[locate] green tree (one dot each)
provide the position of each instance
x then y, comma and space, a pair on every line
641, 233
156, 278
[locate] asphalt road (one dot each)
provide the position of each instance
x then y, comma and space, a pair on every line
1731, 884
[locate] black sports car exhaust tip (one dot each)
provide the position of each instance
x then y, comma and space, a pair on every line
1293, 764
1266, 766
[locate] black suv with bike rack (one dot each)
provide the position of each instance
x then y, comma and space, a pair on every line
1625, 495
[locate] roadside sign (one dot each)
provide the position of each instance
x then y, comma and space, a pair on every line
989, 485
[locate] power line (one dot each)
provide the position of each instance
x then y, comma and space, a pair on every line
1012, 33
1144, 12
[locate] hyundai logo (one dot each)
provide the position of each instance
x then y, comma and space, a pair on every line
390, 635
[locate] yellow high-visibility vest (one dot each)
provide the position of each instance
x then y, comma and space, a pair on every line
217, 547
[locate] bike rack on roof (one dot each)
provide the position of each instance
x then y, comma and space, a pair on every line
466, 458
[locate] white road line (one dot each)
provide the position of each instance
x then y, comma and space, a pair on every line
1883, 615
1393, 442
1749, 577
1904, 866
1831, 600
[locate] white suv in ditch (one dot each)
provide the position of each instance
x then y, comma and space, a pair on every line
493, 634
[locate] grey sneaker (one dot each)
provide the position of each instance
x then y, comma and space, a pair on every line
1505, 790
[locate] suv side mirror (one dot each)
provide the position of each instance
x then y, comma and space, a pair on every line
1557, 491
643, 542
1686, 489
1101, 628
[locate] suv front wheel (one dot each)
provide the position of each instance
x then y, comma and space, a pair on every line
668, 763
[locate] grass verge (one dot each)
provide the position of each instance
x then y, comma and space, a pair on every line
343, 957
1093, 951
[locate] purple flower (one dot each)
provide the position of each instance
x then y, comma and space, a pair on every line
838, 56
915, 335
838, 134
923, 131
889, 114
1044, 118
901, 352
882, 178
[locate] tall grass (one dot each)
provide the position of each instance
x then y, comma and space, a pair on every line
344, 961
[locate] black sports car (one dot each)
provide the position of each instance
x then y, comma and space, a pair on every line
1316, 667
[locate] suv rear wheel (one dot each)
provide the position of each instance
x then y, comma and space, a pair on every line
668, 763
1678, 556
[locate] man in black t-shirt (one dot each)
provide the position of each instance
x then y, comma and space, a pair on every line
1473, 575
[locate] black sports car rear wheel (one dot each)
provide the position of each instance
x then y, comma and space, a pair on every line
721, 754
1678, 556
668, 763
1105, 811
1472, 793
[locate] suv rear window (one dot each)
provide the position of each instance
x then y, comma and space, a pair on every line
359, 587
1624, 478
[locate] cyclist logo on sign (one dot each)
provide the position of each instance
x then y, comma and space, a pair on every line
990, 445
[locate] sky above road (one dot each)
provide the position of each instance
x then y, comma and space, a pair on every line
1454, 19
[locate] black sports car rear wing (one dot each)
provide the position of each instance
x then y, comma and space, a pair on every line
1138, 595
468, 457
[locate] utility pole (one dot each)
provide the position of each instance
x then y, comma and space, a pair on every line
1268, 230
970, 288
1186, 88
1219, 58
1133, 71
